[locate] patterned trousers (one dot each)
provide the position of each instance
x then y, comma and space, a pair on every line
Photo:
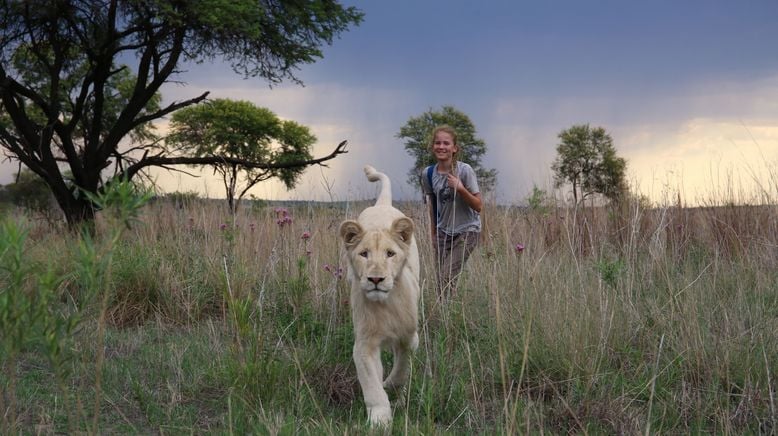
452, 253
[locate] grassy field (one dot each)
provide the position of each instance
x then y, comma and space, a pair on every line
189, 321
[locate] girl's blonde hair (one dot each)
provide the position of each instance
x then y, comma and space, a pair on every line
450, 130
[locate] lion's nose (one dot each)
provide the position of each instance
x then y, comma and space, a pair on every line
376, 280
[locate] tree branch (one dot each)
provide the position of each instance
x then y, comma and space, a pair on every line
170, 108
158, 161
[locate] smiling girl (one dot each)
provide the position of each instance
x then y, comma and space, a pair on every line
454, 201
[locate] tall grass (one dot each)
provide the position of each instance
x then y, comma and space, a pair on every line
609, 320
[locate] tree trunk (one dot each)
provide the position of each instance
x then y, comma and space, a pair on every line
78, 211
575, 193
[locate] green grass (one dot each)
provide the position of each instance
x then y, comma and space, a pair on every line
607, 322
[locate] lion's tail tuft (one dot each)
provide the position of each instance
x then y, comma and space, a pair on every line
385, 196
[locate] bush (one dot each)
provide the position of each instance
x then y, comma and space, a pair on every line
28, 191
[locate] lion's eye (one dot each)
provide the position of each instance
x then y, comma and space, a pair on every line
363, 253
390, 253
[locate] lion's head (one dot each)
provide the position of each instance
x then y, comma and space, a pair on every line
377, 256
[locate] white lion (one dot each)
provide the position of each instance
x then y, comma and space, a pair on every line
383, 267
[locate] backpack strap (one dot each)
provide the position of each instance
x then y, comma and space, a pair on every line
434, 198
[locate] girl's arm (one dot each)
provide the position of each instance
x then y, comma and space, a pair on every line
472, 200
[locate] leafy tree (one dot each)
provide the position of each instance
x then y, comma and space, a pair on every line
539, 201
587, 160
241, 131
68, 102
417, 135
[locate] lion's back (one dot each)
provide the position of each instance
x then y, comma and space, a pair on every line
379, 217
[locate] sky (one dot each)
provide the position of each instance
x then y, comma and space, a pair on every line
687, 89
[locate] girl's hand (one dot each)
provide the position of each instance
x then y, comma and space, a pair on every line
454, 182
472, 200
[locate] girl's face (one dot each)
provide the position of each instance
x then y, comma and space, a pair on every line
443, 146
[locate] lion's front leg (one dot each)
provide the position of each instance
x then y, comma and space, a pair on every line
367, 358
402, 362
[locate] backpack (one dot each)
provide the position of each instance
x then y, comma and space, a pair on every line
434, 198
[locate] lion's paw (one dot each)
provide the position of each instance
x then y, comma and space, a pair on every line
380, 415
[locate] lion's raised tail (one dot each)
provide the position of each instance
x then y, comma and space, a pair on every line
385, 196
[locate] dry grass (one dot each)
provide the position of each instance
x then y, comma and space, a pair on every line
608, 321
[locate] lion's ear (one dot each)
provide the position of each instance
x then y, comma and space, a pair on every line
403, 228
351, 232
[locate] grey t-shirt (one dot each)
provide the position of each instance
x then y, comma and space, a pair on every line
454, 215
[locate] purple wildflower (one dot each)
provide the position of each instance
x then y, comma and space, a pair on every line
336, 271
284, 219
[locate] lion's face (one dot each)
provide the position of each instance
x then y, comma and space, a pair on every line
377, 257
